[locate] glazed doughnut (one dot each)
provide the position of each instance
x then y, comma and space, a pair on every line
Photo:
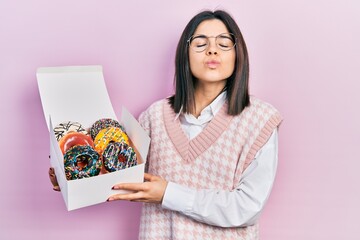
102, 124
118, 155
81, 162
107, 135
64, 128
74, 138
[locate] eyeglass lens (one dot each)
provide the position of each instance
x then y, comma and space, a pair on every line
224, 42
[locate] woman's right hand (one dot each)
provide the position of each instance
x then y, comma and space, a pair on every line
53, 179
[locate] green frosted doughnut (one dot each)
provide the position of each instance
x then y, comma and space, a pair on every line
81, 162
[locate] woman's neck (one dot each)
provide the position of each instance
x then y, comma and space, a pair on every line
204, 95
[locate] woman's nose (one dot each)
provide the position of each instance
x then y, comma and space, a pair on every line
212, 48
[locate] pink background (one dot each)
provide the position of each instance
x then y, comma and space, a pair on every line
304, 60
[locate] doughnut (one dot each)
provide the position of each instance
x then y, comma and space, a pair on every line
118, 155
74, 138
107, 135
64, 128
81, 162
104, 123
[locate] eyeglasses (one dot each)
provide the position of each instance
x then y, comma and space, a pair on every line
224, 41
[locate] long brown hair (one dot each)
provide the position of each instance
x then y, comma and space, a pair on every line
236, 84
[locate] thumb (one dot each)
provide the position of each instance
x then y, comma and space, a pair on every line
148, 177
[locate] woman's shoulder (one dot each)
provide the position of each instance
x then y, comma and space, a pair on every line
151, 113
261, 115
156, 106
257, 103
262, 109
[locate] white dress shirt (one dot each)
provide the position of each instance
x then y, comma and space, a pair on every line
237, 208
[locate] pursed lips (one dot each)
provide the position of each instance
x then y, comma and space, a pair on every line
212, 63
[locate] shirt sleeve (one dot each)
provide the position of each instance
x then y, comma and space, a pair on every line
238, 208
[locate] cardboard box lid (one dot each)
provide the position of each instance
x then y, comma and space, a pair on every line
79, 93
76, 93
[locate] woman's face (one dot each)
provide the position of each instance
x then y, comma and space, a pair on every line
213, 65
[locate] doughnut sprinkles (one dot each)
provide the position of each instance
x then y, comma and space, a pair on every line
102, 148
81, 162
104, 123
118, 155
64, 128
107, 135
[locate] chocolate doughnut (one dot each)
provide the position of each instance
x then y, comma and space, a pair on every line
64, 128
81, 162
107, 135
118, 155
102, 124
74, 138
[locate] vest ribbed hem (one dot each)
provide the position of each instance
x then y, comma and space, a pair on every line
263, 137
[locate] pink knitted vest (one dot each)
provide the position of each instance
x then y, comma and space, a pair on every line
215, 159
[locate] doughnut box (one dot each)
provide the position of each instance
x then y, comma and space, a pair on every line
79, 93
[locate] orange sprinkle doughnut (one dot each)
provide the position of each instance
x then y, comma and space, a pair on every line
73, 139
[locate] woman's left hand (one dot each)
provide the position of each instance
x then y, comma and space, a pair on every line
150, 191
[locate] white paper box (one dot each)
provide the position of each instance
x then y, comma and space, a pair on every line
78, 93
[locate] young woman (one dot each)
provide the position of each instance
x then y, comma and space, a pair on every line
213, 154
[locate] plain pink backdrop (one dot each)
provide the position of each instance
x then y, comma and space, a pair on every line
304, 60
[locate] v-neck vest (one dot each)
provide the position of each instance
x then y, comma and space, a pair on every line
190, 149
215, 159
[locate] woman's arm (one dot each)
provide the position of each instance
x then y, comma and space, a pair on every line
240, 207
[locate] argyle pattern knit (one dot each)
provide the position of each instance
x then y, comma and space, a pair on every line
215, 159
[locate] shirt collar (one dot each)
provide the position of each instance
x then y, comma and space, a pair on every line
214, 106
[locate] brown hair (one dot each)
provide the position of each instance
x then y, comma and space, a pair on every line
236, 85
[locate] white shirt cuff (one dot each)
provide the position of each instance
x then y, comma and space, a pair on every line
178, 198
